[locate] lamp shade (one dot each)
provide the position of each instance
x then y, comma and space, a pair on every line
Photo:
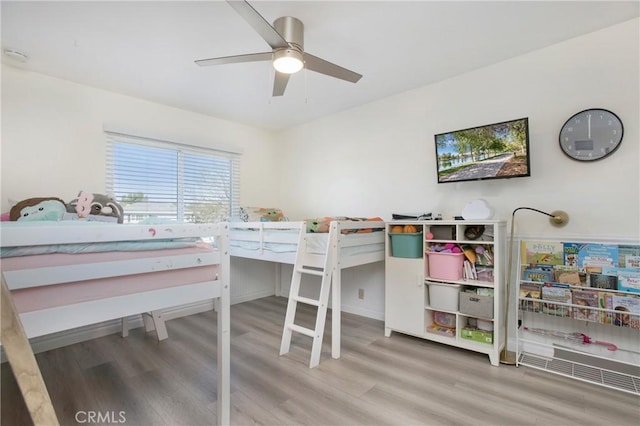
288, 61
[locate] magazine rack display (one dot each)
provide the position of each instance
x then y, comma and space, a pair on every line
444, 282
579, 311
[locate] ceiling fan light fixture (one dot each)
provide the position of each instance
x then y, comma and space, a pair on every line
288, 61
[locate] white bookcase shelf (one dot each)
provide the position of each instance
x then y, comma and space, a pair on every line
594, 343
410, 287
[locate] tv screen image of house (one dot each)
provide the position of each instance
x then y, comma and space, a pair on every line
492, 151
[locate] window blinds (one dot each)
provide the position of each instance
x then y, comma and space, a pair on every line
153, 178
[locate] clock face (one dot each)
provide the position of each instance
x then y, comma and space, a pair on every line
591, 134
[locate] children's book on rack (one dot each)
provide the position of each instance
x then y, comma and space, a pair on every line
555, 292
538, 274
627, 309
629, 256
541, 253
533, 293
592, 257
607, 282
570, 275
586, 302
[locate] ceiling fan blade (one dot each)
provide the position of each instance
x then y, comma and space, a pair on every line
316, 64
280, 83
251, 57
262, 27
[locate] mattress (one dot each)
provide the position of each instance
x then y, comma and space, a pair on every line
48, 296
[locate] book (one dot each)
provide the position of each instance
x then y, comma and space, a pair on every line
554, 292
469, 270
631, 262
586, 305
609, 282
628, 310
591, 256
570, 275
604, 302
530, 291
629, 256
630, 283
538, 274
541, 253
570, 254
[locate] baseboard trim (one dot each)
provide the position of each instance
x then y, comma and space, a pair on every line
252, 296
363, 312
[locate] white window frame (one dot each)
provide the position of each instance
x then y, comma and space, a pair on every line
181, 213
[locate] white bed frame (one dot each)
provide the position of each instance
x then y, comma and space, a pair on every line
263, 236
61, 318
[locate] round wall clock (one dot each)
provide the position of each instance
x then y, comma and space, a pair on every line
591, 134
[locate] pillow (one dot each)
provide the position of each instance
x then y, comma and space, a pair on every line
36, 209
261, 214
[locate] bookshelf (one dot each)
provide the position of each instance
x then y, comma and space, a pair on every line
430, 296
579, 310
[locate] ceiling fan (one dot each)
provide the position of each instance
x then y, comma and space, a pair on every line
286, 39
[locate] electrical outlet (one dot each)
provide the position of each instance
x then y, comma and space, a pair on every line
361, 293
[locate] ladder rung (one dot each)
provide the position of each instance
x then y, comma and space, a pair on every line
318, 272
302, 330
306, 300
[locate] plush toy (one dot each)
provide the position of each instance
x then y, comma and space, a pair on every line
88, 204
319, 224
261, 214
33, 209
271, 215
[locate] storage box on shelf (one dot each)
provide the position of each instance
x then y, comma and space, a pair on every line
577, 320
443, 296
406, 244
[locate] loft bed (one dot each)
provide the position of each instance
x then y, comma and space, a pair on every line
74, 282
358, 242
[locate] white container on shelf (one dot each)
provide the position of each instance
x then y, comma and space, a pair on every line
444, 296
485, 325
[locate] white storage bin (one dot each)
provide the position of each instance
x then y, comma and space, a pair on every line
444, 297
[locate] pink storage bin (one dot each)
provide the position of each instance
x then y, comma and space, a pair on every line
445, 266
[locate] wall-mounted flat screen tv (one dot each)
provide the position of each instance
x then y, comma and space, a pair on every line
492, 151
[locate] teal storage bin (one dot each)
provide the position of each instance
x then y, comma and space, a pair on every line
406, 245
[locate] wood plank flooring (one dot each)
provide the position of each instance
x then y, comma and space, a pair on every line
378, 381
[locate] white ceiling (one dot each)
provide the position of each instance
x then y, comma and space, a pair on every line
146, 49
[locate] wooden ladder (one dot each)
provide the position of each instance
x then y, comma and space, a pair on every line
300, 268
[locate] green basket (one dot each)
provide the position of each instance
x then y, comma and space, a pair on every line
406, 245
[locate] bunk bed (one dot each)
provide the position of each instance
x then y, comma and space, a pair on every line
79, 278
356, 242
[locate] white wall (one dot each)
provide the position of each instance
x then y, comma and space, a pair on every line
380, 158
53, 142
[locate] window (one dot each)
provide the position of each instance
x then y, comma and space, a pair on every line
165, 180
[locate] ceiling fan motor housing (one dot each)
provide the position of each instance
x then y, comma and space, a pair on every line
291, 29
